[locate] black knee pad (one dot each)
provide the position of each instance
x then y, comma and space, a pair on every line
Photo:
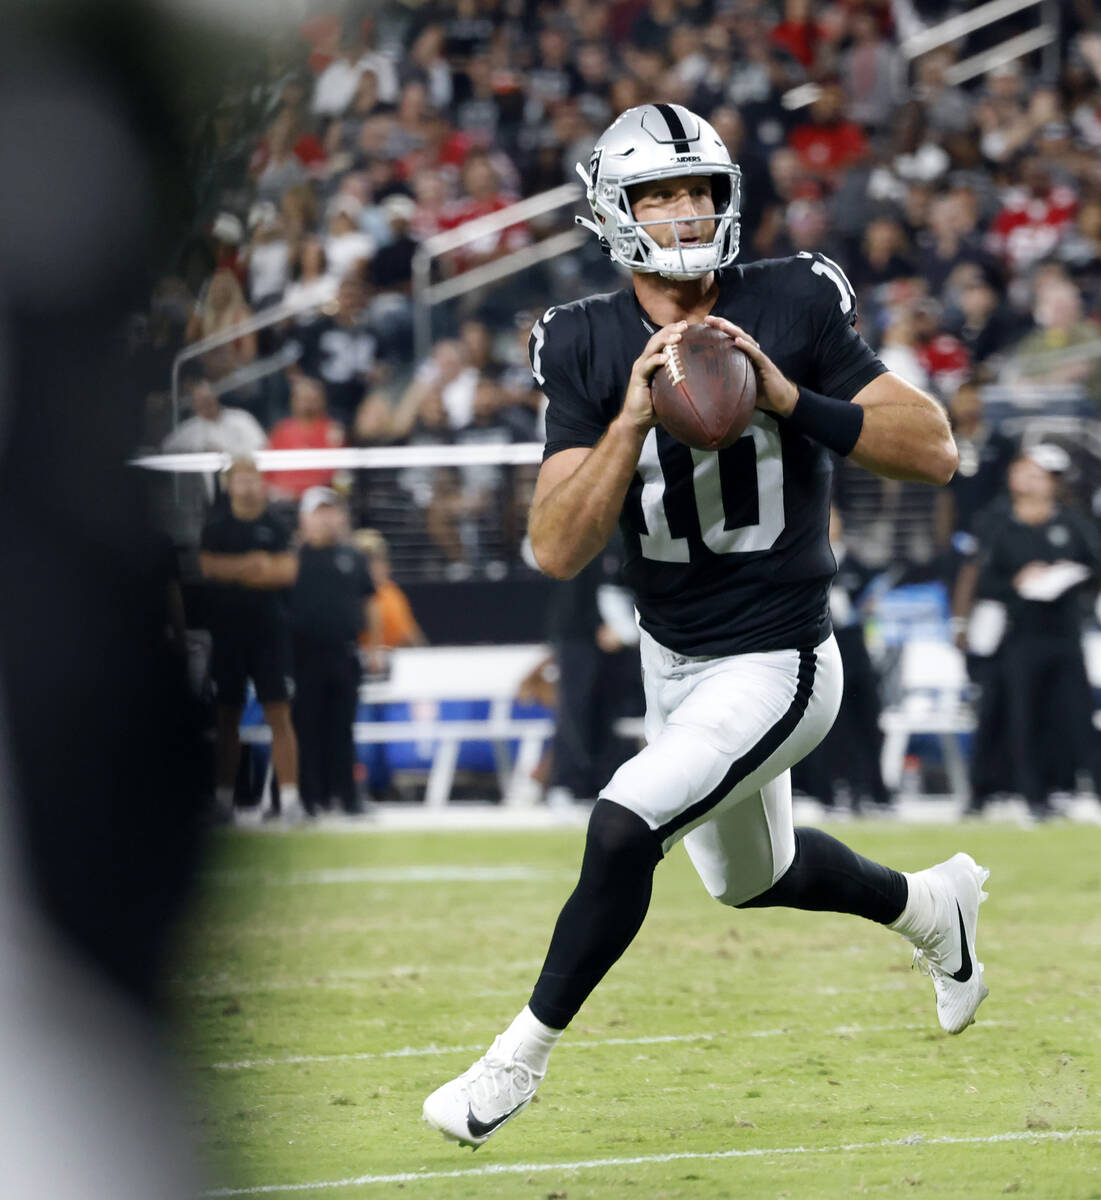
620, 837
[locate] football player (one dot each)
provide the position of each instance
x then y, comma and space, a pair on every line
729, 560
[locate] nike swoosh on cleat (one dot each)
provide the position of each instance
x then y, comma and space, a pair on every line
964, 973
484, 1128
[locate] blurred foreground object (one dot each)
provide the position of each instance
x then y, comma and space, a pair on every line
99, 789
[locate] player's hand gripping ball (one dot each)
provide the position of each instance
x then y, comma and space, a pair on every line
706, 392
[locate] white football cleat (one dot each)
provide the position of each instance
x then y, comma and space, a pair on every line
471, 1108
949, 956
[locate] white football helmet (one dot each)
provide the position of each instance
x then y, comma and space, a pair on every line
660, 141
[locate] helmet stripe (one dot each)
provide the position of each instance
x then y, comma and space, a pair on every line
676, 128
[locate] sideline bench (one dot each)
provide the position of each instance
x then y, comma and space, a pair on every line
423, 678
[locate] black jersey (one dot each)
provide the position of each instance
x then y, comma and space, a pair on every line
327, 600
244, 611
1006, 545
343, 356
727, 552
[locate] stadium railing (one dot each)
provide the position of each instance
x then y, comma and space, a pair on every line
426, 294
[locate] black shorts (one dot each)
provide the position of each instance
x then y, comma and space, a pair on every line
265, 658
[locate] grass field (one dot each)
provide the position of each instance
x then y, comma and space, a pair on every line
334, 980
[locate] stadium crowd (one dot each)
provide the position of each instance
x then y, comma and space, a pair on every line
968, 218
967, 215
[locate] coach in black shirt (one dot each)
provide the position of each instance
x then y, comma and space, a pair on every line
245, 556
332, 603
1033, 556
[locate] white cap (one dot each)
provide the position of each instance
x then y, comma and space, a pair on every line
399, 206
1049, 456
313, 498
228, 228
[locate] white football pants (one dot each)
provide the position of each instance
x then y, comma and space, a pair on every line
722, 735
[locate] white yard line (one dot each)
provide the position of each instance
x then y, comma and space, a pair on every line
596, 1164
248, 1064
435, 1051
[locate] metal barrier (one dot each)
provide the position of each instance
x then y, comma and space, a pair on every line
1045, 37
261, 320
426, 294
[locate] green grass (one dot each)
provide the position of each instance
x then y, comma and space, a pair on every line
801, 1030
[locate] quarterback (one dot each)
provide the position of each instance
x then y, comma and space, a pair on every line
729, 560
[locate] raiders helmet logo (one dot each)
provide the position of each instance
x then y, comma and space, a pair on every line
594, 164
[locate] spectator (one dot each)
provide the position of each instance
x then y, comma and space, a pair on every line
397, 625
1002, 114
314, 286
342, 136
338, 83
874, 74
1033, 219
391, 269
427, 65
221, 308
884, 255
947, 106
298, 208
446, 377
946, 242
483, 196
828, 143
1064, 348
798, 33
267, 257
1037, 555
307, 428
212, 427
276, 166
984, 322
759, 196
330, 607
347, 248
246, 560
340, 349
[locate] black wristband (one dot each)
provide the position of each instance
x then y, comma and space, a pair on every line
834, 423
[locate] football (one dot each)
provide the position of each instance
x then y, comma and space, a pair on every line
705, 393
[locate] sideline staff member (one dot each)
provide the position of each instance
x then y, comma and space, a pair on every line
245, 555
332, 602
1034, 556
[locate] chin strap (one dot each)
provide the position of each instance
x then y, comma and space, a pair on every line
593, 227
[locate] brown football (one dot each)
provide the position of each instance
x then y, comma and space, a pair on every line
705, 393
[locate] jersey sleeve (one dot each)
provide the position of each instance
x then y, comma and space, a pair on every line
559, 352
844, 363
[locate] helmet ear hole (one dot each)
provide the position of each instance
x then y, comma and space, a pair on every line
720, 192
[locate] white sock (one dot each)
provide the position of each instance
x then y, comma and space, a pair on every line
528, 1038
289, 800
920, 918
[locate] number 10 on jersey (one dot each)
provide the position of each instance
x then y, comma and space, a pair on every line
658, 542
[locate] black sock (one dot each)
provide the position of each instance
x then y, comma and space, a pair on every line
826, 876
602, 915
